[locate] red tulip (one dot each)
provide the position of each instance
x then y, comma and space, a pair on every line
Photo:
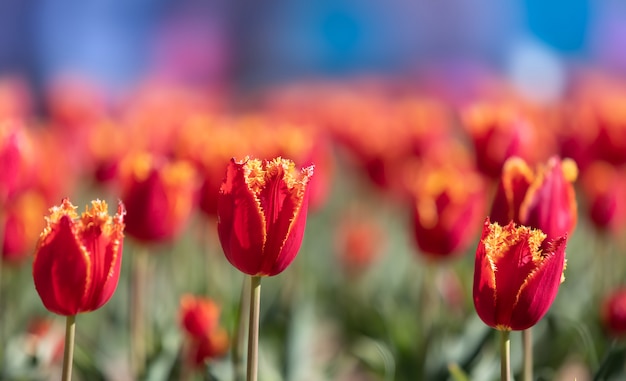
159, 196
613, 313
262, 209
200, 319
516, 275
77, 259
22, 226
503, 130
604, 189
543, 199
16, 155
198, 315
449, 204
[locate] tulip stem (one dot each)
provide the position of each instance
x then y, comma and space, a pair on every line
68, 352
239, 342
505, 356
137, 318
527, 343
253, 328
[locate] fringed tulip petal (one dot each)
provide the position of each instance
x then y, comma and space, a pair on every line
77, 260
516, 275
262, 214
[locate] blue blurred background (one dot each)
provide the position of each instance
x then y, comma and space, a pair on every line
247, 43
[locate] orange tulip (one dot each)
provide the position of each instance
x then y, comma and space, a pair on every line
262, 208
77, 259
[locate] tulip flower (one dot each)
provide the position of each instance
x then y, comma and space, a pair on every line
449, 204
23, 224
159, 196
77, 263
261, 212
543, 199
501, 131
199, 318
262, 209
604, 189
77, 259
16, 156
516, 276
516, 279
613, 313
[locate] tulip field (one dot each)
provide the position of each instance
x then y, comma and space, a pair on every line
365, 229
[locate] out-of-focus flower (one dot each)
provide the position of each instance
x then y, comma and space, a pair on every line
44, 340
449, 204
516, 275
543, 199
604, 190
16, 157
107, 146
77, 259
358, 243
593, 125
198, 315
501, 131
23, 224
15, 98
613, 313
159, 196
262, 210
199, 318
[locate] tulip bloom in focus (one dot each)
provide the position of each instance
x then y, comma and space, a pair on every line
159, 196
262, 209
543, 199
77, 259
516, 275
199, 318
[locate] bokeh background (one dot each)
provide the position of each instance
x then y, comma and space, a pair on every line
376, 94
246, 44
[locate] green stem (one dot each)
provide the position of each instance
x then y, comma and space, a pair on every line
68, 352
505, 356
137, 315
239, 341
253, 328
527, 343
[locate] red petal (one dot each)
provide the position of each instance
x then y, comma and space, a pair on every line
514, 183
241, 226
61, 269
540, 289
